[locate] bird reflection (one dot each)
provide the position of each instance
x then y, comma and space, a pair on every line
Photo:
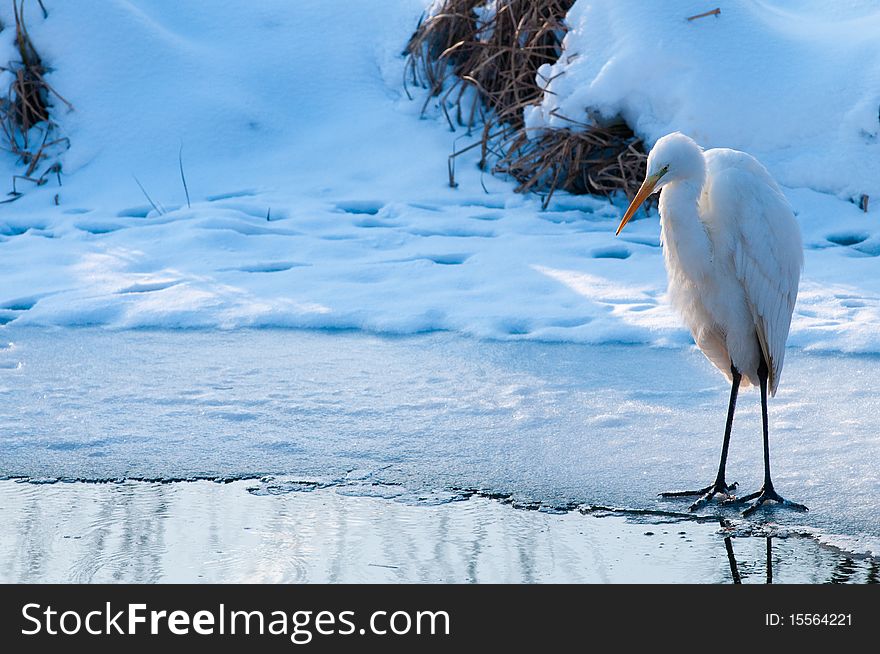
734, 568
846, 569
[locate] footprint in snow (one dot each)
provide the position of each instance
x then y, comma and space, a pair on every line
20, 304
847, 238
612, 252
449, 259
360, 207
148, 287
98, 228
266, 267
246, 193
135, 212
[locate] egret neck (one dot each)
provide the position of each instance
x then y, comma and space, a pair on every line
685, 236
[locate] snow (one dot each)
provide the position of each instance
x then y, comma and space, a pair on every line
319, 199
797, 84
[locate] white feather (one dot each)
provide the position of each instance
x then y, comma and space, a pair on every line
733, 254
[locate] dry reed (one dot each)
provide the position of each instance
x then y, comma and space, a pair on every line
483, 68
24, 112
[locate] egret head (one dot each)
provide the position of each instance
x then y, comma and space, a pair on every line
675, 157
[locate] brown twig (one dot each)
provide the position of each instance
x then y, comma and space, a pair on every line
600, 160
714, 12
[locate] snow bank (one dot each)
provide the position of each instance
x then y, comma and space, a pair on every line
797, 84
319, 199
243, 87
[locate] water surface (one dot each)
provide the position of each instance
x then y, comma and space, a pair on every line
554, 425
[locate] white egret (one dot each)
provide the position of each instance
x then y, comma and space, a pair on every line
733, 258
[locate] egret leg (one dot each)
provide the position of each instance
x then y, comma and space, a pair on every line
767, 492
720, 486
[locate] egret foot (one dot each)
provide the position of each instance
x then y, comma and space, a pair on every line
705, 494
766, 494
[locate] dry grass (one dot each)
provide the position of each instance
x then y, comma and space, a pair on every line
484, 73
24, 112
592, 159
454, 52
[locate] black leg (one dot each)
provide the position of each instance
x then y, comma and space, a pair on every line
765, 423
720, 486
767, 492
731, 409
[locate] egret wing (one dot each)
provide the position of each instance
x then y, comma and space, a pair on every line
767, 249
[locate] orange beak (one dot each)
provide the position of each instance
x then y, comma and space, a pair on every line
646, 189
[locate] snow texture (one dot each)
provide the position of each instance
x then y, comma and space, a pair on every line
797, 84
320, 200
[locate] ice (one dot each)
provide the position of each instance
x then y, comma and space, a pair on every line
210, 533
433, 417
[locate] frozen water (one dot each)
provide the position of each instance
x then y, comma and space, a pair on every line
425, 418
203, 532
